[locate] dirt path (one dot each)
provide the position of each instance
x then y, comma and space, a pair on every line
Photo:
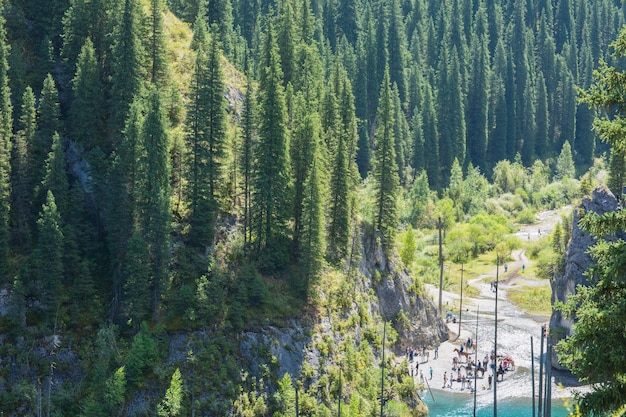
515, 327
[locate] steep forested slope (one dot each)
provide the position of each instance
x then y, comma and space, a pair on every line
196, 167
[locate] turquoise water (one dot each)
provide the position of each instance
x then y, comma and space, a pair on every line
455, 405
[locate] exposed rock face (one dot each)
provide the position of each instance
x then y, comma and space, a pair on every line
419, 324
577, 260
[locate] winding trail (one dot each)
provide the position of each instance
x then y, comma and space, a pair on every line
515, 327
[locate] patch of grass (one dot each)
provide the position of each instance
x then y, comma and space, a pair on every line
532, 299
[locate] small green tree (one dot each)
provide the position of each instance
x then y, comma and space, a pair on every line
565, 163
171, 405
407, 252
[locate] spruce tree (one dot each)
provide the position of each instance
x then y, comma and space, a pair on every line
122, 209
22, 181
312, 242
155, 215
6, 131
617, 172
432, 145
452, 129
127, 68
542, 118
385, 169
87, 113
206, 118
397, 49
348, 19
47, 260
157, 47
48, 123
248, 141
272, 197
55, 179
478, 93
286, 40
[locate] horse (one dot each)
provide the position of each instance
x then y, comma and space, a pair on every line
508, 363
458, 352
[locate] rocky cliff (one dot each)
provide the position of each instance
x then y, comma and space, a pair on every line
577, 260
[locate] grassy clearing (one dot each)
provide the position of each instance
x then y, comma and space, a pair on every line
532, 299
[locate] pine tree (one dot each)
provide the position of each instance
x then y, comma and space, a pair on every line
48, 123
154, 207
86, 113
385, 170
206, 118
55, 178
497, 142
158, 58
22, 181
127, 68
452, 129
48, 258
397, 50
430, 126
272, 197
286, 40
220, 14
136, 279
348, 19
542, 118
249, 139
617, 172
6, 130
418, 158
478, 94
313, 242
122, 209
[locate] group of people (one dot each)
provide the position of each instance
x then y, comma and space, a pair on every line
465, 373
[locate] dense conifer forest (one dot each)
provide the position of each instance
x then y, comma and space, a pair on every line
194, 167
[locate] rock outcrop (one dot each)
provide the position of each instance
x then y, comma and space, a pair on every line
414, 315
577, 261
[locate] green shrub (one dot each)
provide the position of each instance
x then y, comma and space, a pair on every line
526, 216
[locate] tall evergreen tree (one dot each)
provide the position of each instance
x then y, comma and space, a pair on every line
55, 178
272, 180
311, 241
348, 19
158, 56
6, 130
23, 182
127, 68
122, 210
48, 123
154, 208
47, 260
430, 126
248, 141
497, 142
286, 40
86, 113
397, 49
305, 141
206, 118
220, 13
478, 92
542, 118
385, 170
452, 129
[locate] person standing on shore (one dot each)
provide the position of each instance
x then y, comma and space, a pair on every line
431, 372
436, 352
445, 379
